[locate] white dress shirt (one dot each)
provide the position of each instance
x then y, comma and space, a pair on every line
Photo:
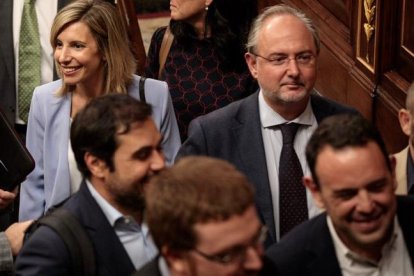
134, 237
395, 259
273, 142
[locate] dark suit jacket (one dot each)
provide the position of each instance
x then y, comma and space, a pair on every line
45, 252
234, 133
7, 66
309, 250
149, 269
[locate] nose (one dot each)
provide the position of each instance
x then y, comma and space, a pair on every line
253, 260
365, 203
158, 160
62, 55
292, 67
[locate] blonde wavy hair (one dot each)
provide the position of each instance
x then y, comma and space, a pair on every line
109, 31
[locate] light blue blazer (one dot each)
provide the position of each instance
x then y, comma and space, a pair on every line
47, 139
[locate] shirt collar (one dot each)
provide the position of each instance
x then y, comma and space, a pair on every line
270, 118
109, 211
345, 254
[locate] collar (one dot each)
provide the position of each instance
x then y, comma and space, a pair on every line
270, 118
344, 254
114, 217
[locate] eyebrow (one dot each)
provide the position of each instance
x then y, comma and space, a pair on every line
296, 54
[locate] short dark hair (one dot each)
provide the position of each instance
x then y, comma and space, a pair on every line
195, 190
341, 131
94, 129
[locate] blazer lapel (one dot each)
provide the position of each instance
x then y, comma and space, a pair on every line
111, 254
248, 136
405, 208
321, 249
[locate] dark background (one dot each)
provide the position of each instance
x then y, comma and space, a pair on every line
150, 6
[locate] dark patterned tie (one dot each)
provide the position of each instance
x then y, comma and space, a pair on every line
292, 194
29, 58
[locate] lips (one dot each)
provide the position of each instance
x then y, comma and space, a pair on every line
293, 84
370, 224
70, 70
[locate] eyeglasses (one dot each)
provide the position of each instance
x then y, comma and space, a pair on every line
238, 253
304, 59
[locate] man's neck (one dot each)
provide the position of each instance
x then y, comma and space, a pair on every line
289, 111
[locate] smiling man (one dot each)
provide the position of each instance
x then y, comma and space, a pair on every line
366, 229
117, 148
283, 48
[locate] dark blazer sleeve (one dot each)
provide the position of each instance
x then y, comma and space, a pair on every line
307, 250
43, 254
196, 143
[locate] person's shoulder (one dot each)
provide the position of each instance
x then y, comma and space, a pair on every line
47, 93
402, 154
297, 240
405, 203
295, 247
155, 90
159, 33
229, 111
44, 248
150, 83
323, 107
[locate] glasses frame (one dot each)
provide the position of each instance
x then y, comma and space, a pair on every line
288, 59
228, 258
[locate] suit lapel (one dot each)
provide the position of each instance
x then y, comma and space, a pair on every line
110, 252
248, 136
405, 208
6, 30
323, 260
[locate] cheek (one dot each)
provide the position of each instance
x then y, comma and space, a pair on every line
339, 210
309, 76
270, 76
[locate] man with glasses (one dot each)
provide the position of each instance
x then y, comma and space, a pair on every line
283, 48
202, 217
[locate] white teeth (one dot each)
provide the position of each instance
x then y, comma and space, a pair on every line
69, 69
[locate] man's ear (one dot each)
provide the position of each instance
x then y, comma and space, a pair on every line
405, 121
96, 166
177, 261
251, 61
315, 191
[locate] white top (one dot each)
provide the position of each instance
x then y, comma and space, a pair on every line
75, 175
46, 11
273, 142
395, 259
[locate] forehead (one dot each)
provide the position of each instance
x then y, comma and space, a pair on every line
350, 167
140, 134
219, 235
285, 33
77, 29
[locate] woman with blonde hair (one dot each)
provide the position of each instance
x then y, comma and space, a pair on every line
93, 58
